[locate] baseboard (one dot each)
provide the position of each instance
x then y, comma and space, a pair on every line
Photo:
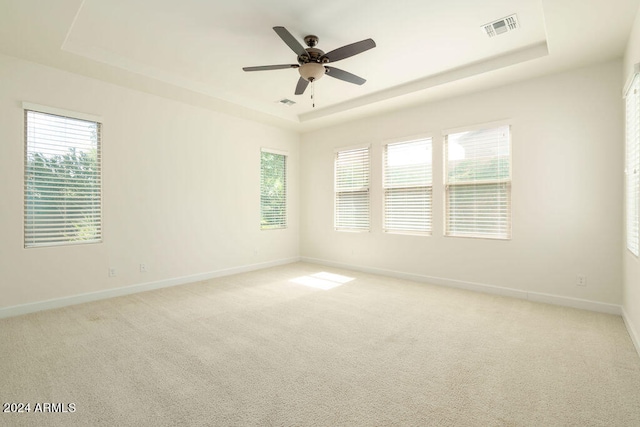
18, 310
635, 338
479, 287
472, 286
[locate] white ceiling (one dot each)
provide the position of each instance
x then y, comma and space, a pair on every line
194, 50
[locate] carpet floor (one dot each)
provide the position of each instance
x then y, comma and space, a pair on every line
306, 345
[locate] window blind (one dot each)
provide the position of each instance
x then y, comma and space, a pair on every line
63, 180
273, 190
352, 189
478, 183
632, 166
407, 186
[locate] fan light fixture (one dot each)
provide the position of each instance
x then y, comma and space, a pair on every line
311, 71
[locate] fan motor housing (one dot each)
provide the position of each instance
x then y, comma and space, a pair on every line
314, 55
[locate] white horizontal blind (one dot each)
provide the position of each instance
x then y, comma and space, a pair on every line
63, 180
478, 183
632, 166
407, 186
352, 189
273, 190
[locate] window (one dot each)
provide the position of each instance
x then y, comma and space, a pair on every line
632, 163
478, 183
407, 187
63, 183
352, 189
273, 190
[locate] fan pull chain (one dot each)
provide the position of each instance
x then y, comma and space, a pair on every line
313, 102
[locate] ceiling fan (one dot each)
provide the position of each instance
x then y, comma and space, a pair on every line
311, 60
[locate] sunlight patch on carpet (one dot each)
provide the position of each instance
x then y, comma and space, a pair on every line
322, 280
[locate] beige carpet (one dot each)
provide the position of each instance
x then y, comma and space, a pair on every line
260, 349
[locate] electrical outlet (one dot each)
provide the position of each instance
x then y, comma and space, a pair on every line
581, 280
143, 268
112, 272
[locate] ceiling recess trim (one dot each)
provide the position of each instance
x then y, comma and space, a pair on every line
537, 50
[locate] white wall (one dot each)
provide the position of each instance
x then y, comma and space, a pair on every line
567, 189
181, 189
631, 280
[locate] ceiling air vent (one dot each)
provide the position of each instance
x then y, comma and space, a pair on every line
501, 26
287, 102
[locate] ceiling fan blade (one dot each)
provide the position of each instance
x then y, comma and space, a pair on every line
270, 67
349, 50
344, 75
301, 86
290, 41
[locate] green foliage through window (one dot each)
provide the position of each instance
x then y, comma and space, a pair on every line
62, 181
273, 190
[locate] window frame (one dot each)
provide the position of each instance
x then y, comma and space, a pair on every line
285, 216
31, 240
508, 182
388, 188
361, 190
